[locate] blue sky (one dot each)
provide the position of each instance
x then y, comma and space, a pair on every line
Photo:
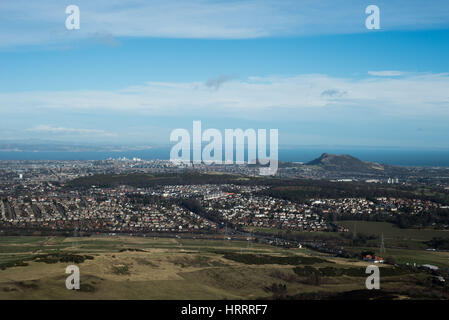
136, 70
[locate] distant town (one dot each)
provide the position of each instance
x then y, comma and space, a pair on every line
40, 195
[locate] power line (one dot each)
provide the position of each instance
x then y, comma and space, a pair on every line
354, 235
382, 244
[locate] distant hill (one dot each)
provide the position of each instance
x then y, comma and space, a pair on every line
345, 162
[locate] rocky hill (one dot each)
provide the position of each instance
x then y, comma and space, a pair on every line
333, 162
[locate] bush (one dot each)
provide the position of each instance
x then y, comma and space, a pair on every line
62, 257
266, 259
87, 287
121, 270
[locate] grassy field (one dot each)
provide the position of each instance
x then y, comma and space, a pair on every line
410, 256
302, 234
404, 245
394, 237
392, 232
164, 268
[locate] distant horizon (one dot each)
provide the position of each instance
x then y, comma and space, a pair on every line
389, 156
150, 144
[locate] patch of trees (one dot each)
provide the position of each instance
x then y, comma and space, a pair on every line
301, 191
10, 264
360, 239
266, 259
279, 290
132, 250
62, 257
438, 243
438, 218
140, 180
368, 252
47, 258
350, 272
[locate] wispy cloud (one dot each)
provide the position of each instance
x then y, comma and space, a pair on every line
70, 131
386, 73
24, 22
215, 83
406, 95
333, 93
315, 107
104, 39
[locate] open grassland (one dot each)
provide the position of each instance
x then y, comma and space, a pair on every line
305, 235
169, 268
403, 256
394, 237
392, 232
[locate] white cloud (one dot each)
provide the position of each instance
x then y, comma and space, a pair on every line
24, 22
409, 95
386, 73
71, 131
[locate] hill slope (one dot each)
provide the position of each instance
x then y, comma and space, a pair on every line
345, 162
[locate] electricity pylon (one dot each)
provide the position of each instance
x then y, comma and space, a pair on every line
382, 244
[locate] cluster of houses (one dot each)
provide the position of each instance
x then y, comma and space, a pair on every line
102, 210
247, 209
49, 206
378, 205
